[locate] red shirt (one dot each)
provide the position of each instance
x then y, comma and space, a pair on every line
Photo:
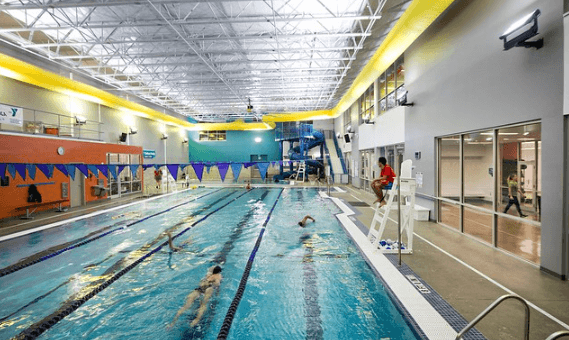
387, 171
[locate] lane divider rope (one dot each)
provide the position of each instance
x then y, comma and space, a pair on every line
314, 330
114, 267
19, 266
224, 331
40, 327
219, 258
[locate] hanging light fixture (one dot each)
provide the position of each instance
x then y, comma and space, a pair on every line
249, 107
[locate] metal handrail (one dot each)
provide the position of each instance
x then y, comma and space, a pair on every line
490, 308
34, 123
557, 335
329, 160
477, 208
339, 152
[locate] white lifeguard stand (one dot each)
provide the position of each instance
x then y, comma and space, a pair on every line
381, 215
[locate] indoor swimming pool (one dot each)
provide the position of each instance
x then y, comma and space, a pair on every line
112, 276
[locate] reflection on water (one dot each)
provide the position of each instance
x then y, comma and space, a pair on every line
304, 282
35, 238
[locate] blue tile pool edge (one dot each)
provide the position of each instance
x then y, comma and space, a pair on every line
395, 300
443, 330
451, 316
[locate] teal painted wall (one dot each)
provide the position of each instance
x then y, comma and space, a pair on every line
237, 148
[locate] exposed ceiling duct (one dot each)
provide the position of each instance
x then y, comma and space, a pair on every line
207, 59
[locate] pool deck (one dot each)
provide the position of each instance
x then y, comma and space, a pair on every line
470, 275
466, 273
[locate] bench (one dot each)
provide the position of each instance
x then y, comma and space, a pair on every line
37, 205
98, 190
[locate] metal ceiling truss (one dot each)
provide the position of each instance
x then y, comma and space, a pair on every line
205, 59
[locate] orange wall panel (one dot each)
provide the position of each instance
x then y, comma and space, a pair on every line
29, 149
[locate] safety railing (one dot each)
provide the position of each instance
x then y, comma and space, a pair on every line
339, 152
55, 124
490, 308
558, 335
480, 209
329, 160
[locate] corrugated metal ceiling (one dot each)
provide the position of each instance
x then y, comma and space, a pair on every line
209, 59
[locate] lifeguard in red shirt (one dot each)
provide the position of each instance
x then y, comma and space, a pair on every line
385, 181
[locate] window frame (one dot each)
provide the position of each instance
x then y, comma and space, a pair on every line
212, 136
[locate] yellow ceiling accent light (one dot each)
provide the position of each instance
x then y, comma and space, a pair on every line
297, 116
416, 19
30, 74
235, 125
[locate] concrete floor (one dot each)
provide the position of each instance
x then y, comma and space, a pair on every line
13, 224
470, 276
466, 273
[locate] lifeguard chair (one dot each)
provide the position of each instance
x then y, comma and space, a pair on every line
379, 221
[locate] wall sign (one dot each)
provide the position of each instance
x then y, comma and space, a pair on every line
148, 153
11, 115
65, 190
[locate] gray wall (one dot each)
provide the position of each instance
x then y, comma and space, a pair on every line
460, 79
324, 124
114, 121
148, 136
61, 70
566, 62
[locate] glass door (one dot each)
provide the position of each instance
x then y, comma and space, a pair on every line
136, 185
125, 175
114, 184
126, 182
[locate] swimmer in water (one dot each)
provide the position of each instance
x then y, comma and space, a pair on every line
305, 219
171, 244
207, 286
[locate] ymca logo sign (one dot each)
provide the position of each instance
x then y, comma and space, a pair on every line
11, 115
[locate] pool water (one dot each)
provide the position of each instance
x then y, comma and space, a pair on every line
304, 283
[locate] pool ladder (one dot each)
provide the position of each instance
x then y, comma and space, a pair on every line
301, 170
501, 299
494, 305
557, 335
